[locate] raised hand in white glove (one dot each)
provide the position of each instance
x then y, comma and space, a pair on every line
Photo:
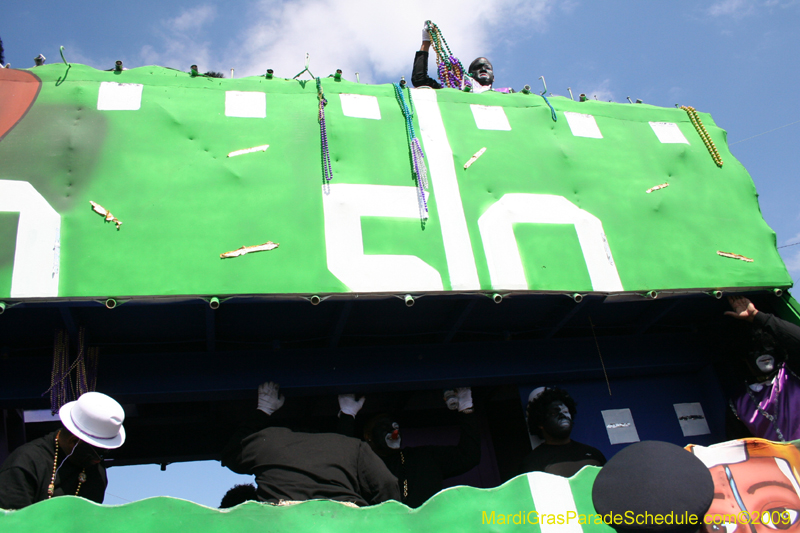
349, 405
269, 399
426, 36
464, 395
451, 399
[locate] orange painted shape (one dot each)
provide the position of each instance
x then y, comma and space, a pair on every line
18, 91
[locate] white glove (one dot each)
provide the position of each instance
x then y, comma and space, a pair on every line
426, 36
349, 405
269, 400
464, 395
451, 399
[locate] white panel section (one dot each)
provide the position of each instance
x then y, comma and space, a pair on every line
668, 133
552, 495
583, 125
343, 206
692, 419
457, 245
119, 96
502, 252
36, 258
360, 106
786, 470
490, 117
726, 453
620, 426
247, 104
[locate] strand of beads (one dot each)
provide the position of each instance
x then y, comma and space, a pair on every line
701, 130
51, 488
327, 172
80, 374
86, 369
451, 71
552, 111
417, 155
61, 389
91, 369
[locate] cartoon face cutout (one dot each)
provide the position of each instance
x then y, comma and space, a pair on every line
760, 488
757, 492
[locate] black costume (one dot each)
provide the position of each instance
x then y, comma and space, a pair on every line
290, 465
419, 74
420, 470
562, 459
767, 409
786, 333
26, 474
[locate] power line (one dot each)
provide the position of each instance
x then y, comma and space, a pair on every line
760, 134
787, 245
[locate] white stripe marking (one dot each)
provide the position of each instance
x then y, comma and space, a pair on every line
668, 133
36, 256
490, 117
343, 208
360, 106
246, 104
457, 244
502, 251
119, 96
583, 125
552, 495
262, 148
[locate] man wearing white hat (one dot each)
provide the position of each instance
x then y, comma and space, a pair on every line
67, 461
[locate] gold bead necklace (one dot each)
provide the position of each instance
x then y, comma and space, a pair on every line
405, 476
51, 488
701, 130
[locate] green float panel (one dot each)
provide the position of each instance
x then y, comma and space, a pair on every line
183, 163
522, 502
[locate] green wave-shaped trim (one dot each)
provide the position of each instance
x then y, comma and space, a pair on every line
460, 508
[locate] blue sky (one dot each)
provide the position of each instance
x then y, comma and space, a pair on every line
734, 59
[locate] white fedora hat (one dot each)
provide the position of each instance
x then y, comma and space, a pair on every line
96, 419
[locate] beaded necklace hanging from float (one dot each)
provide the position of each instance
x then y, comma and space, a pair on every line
701, 130
62, 388
417, 155
451, 71
327, 172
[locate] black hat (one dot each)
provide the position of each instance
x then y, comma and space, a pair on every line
653, 486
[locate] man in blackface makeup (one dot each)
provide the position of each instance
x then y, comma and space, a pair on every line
768, 403
67, 461
421, 470
551, 415
480, 69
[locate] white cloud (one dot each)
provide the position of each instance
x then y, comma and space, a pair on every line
376, 39
791, 256
792, 260
732, 8
600, 91
193, 19
183, 40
